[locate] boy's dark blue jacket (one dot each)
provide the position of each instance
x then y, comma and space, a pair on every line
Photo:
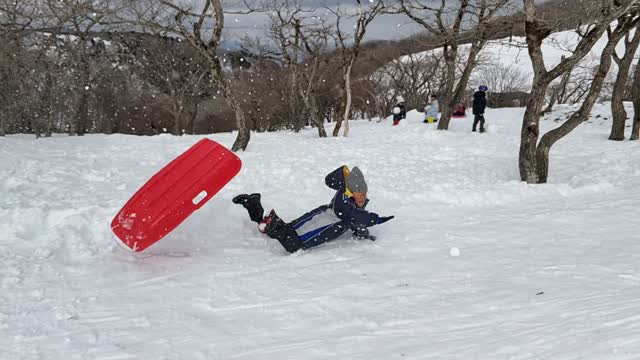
327, 222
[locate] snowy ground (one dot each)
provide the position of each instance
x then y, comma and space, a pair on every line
544, 272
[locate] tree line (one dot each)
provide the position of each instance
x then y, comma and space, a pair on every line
158, 66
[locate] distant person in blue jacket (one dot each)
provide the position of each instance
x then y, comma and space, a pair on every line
345, 212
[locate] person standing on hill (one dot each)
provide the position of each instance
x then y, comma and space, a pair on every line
479, 105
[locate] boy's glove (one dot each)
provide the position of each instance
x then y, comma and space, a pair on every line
363, 234
384, 219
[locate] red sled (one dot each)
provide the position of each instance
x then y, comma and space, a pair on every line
174, 193
460, 112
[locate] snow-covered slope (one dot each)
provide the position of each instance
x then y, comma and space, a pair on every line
544, 272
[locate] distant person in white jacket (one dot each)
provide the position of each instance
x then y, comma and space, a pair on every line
432, 110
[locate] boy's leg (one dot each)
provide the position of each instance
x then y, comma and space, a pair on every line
326, 234
475, 122
482, 123
283, 232
252, 204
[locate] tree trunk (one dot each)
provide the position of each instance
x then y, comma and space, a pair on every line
536, 32
193, 115
466, 73
311, 106
347, 107
107, 109
49, 114
314, 112
530, 132
83, 115
4, 114
617, 106
321, 131
177, 118
635, 132
244, 134
552, 102
557, 89
339, 113
618, 113
445, 108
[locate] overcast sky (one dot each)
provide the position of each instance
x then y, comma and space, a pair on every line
384, 27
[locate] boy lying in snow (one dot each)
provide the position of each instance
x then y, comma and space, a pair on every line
324, 223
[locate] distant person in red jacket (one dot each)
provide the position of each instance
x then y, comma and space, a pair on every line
461, 111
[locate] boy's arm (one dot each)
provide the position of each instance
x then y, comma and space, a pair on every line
357, 217
336, 180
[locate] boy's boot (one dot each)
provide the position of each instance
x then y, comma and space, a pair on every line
252, 204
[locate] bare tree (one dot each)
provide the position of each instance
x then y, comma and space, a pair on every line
302, 40
349, 48
80, 18
624, 65
315, 43
265, 91
534, 157
414, 76
557, 90
12, 55
286, 17
381, 91
448, 23
180, 73
22, 55
579, 83
500, 78
191, 22
450, 35
575, 83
